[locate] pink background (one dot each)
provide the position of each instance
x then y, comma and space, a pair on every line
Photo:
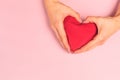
30, 51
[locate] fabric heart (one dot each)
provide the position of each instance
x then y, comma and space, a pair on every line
78, 34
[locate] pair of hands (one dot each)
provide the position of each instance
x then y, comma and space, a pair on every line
57, 11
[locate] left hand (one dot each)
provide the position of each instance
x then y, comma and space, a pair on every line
106, 27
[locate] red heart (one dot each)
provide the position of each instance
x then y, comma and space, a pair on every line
78, 34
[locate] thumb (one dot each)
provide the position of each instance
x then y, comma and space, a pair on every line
77, 16
90, 19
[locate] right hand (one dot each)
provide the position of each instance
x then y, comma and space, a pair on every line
57, 11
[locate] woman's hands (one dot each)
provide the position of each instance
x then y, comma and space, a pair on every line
57, 11
106, 27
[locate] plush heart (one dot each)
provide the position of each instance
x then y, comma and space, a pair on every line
78, 34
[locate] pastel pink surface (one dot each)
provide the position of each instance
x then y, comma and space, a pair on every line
30, 51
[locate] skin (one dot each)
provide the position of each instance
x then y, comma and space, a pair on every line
107, 26
57, 11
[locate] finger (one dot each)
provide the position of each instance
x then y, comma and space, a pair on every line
89, 45
100, 39
86, 21
58, 37
76, 15
90, 19
63, 36
95, 45
85, 48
